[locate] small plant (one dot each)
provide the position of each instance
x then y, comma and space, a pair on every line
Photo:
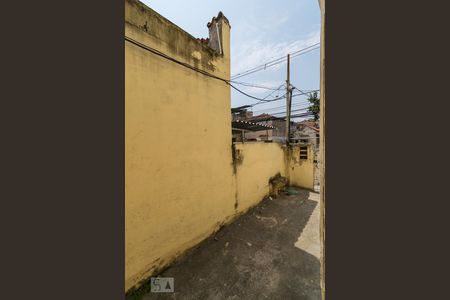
314, 108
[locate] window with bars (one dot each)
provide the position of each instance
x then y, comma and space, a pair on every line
303, 152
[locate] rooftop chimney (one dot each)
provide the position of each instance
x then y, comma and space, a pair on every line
219, 34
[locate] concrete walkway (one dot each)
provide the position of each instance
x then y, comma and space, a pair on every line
309, 239
272, 252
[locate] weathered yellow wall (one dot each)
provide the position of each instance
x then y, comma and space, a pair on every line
178, 164
301, 172
257, 162
181, 182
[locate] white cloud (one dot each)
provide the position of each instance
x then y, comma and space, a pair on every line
255, 52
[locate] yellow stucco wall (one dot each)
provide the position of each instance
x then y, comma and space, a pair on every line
178, 164
181, 181
301, 172
257, 162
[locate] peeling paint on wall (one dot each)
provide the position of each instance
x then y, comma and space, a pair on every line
182, 182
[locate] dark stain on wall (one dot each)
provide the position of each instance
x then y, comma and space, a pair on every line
236, 160
176, 39
237, 157
277, 184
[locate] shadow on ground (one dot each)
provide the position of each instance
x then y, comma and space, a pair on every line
252, 258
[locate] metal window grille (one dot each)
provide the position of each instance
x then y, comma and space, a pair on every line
303, 152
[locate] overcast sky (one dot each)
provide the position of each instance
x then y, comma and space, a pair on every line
261, 30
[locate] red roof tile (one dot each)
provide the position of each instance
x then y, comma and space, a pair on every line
203, 40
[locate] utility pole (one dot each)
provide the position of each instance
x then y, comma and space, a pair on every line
288, 101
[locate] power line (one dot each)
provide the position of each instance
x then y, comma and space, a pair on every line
264, 99
279, 88
275, 108
282, 97
298, 89
150, 49
306, 114
261, 100
145, 47
299, 105
283, 112
255, 85
301, 115
303, 102
276, 61
268, 65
